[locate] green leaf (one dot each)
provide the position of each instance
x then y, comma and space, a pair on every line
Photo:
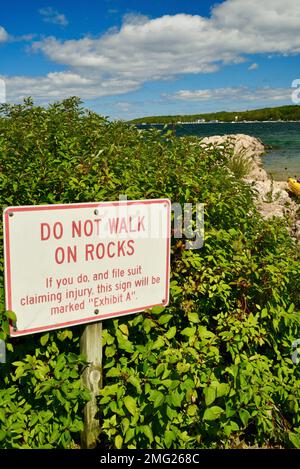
107, 338
171, 333
158, 309
158, 399
176, 398
44, 339
158, 343
134, 380
244, 416
129, 435
171, 413
204, 333
125, 344
11, 315
130, 404
193, 317
18, 363
146, 429
65, 334
212, 413
189, 331
234, 426
9, 347
183, 367
110, 351
160, 369
125, 425
20, 372
148, 324
295, 439
105, 400
222, 389
169, 438
165, 318
192, 410
118, 442
124, 328
113, 373
210, 395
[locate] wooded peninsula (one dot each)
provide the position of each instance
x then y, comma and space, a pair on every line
282, 113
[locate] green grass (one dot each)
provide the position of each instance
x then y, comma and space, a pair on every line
240, 165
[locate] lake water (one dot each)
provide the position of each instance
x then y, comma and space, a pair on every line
282, 161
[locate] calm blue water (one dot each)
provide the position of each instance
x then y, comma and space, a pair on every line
282, 161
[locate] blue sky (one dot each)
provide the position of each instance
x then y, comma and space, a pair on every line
128, 59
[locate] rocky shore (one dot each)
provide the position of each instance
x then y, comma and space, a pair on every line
273, 197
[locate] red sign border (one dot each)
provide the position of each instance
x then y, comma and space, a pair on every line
28, 208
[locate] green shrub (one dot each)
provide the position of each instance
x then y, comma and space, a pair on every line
41, 398
211, 370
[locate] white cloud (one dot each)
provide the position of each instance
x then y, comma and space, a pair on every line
254, 66
171, 45
123, 105
5, 37
52, 16
3, 34
163, 48
261, 25
239, 94
59, 85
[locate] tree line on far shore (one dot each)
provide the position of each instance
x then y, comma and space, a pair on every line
282, 113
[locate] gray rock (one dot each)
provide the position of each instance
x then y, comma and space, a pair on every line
273, 199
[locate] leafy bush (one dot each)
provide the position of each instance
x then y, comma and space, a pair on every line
211, 370
41, 396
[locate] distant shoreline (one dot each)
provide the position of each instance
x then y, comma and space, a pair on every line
289, 113
217, 122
